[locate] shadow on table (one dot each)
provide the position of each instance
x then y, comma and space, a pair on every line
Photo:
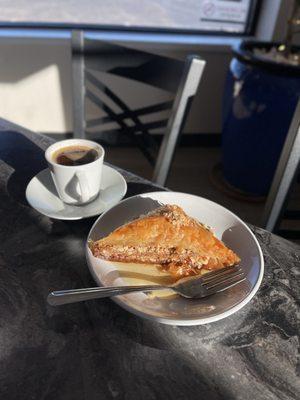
165, 350
25, 158
134, 188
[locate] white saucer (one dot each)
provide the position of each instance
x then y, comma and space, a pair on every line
41, 194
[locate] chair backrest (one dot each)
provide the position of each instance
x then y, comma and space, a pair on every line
181, 79
284, 178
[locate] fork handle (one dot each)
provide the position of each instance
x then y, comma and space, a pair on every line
60, 297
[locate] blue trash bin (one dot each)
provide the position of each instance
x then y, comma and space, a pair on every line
259, 101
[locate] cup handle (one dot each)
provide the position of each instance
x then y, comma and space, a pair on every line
84, 186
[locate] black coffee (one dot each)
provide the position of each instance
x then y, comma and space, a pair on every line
75, 155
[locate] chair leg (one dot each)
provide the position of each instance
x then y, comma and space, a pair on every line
78, 84
284, 176
187, 88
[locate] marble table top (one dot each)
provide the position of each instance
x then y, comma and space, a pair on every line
96, 350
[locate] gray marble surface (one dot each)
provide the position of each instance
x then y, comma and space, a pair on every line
96, 350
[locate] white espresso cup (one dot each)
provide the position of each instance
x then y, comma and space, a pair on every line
79, 184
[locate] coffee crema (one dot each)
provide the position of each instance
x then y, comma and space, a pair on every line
75, 155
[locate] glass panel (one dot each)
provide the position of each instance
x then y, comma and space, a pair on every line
201, 15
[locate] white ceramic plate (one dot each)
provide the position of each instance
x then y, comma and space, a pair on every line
175, 310
41, 194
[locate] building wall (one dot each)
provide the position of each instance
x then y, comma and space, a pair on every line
35, 84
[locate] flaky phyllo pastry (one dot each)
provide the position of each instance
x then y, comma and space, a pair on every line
167, 237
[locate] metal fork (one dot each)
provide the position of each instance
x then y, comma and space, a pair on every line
195, 287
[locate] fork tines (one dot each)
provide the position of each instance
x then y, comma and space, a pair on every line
222, 279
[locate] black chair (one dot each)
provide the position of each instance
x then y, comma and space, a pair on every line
284, 178
90, 55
